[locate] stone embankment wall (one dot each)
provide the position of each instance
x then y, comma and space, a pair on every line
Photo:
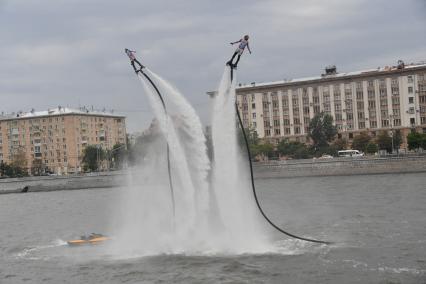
271, 169
50, 183
339, 166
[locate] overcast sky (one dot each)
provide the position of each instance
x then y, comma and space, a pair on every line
70, 52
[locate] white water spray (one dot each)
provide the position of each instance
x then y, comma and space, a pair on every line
147, 225
231, 183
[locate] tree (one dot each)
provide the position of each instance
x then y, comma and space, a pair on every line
340, 144
2, 168
322, 130
416, 140
118, 155
37, 167
361, 141
397, 139
252, 136
294, 150
371, 148
266, 149
384, 141
18, 158
92, 156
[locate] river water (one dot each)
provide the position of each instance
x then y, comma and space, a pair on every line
378, 224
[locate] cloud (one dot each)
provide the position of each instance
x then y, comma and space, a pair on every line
70, 52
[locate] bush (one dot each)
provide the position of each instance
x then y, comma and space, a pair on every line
294, 150
371, 148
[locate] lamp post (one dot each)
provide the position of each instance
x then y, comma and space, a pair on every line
391, 123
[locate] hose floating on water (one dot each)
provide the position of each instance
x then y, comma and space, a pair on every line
254, 187
168, 148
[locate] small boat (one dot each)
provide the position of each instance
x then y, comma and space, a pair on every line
91, 239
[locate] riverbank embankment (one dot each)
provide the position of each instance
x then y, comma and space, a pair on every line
340, 166
51, 183
262, 170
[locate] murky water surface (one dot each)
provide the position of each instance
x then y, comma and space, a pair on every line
377, 221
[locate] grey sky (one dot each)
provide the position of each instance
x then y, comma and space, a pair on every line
70, 52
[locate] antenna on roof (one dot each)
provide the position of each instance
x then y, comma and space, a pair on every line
330, 70
401, 64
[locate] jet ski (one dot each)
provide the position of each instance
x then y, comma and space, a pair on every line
91, 239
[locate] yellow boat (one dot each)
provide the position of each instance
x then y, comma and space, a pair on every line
92, 239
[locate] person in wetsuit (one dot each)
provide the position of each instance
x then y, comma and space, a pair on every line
243, 43
133, 60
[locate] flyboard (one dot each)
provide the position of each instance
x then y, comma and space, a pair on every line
232, 68
140, 72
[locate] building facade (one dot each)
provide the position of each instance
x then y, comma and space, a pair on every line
373, 100
55, 139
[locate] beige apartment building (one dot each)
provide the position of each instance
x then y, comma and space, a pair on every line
57, 137
386, 98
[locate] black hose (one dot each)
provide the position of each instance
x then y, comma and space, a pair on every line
254, 188
168, 148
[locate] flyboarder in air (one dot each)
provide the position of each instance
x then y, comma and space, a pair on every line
131, 55
240, 49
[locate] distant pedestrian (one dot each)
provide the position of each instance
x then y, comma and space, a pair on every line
243, 43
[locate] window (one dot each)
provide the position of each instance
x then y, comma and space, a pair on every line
254, 115
411, 100
297, 130
397, 122
267, 132
253, 106
287, 131
295, 101
361, 125
412, 121
316, 109
395, 100
410, 79
277, 132
373, 124
254, 124
410, 90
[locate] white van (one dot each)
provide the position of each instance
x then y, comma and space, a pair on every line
350, 153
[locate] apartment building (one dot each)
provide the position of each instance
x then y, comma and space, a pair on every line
56, 138
378, 99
